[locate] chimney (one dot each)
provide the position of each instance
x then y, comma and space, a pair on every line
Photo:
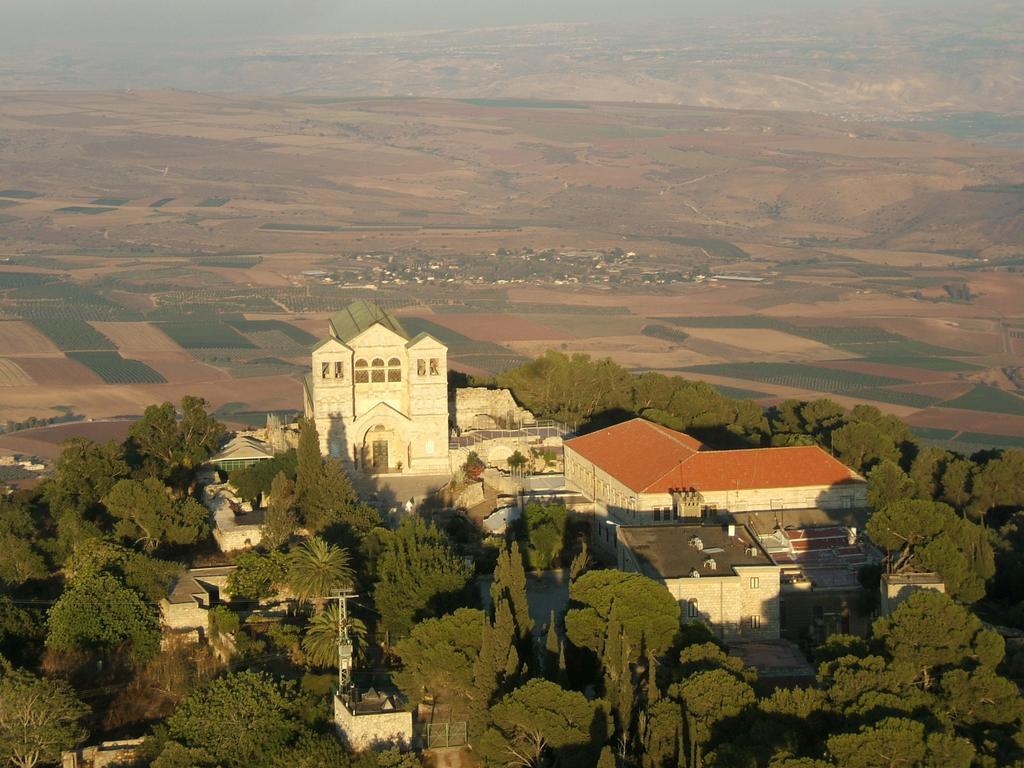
732, 531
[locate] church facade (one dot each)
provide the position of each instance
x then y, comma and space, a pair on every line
379, 397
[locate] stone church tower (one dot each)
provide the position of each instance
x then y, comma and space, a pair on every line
379, 398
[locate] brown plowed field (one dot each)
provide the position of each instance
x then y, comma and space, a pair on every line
969, 421
57, 371
917, 375
13, 375
494, 327
135, 339
181, 368
19, 338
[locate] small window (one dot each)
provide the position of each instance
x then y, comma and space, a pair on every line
692, 611
755, 622
421, 367
755, 582
394, 369
339, 370
362, 376
325, 370
435, 368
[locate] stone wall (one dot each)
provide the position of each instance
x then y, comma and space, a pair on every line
728, 603
482, 408
375, 729
897, 587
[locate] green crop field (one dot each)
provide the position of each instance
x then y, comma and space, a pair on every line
236, 262
665, 333
243, 365
492, 363
279, 227
8, 203
895, 396
797, 375
161, 202
86, 209
19, 194
23, 279
985, 397
873, 343
114, 369
941, 364
73, 334
65, 301
933, 433
256, 326
984, 438
723, 249
205, 335
213, 202
114, 201
738, 393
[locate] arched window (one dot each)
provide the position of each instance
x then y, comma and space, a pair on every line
394, 369
377, 371
362, 376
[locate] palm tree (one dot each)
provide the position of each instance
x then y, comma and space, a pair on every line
317, 570
321, 640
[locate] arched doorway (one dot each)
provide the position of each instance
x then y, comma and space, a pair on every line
383, 450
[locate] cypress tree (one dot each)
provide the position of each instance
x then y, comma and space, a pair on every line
309, 467
552, 649
510, 585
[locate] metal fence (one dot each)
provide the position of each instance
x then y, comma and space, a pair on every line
440, 735
539, 430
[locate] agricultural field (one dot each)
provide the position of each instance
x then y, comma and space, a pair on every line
10, 280
985, 397
136, 338
20, 338
13, 375
506, 228
205, 335
797, 375
297, 335
73, 334
114, 369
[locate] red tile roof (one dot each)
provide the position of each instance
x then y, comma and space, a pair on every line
649, 458
636, 452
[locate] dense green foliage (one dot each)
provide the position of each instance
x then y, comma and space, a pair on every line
97, 612
419, 576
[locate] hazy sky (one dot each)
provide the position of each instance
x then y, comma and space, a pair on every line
43, 23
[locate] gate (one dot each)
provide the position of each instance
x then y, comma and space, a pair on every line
440, 735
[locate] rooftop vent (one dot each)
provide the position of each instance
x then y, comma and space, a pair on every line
696, 542
710, 564
694, 573
751, 551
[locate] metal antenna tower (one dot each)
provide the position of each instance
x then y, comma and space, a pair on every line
345, 645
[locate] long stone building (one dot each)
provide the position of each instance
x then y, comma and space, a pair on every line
378, 396
665, 505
